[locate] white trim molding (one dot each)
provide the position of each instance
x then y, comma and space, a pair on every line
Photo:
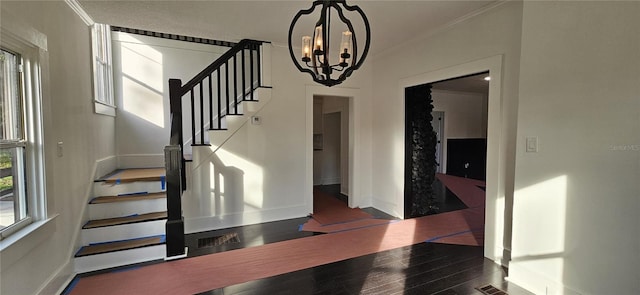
495, 193
77, 8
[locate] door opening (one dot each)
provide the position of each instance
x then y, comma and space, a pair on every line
331, 146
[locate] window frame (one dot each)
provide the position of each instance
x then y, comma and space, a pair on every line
30, 45
102, 66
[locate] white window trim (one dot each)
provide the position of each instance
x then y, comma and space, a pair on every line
32, 46
100, 107
102, 81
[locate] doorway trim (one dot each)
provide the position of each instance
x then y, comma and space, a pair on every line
354, 182
495, 170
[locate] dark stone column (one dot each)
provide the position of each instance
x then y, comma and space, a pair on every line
420, 152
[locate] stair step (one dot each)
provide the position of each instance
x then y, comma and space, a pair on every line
108, 260
136, 174
127, 198
125, 220
120, 245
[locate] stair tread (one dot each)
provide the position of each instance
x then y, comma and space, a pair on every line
125, 220
120, 245
135, 174
127, 198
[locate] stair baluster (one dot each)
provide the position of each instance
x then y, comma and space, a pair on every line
175, 171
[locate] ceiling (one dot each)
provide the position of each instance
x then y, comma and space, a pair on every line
474, 84
392, 22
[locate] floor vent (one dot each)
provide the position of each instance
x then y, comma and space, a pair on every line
228, 238
491, 290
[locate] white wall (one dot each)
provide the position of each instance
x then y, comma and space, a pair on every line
331, 149
333, 104
271, 162
30, 264
142, 68
575, 218
463, 113
493, 33
465, 116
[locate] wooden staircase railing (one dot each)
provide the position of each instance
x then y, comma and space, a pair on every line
212, 94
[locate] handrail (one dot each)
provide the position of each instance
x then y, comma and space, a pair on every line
244, 44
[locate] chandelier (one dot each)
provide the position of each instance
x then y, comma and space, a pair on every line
316, 56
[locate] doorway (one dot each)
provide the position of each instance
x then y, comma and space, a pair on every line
497, 229
331, 146
445, 157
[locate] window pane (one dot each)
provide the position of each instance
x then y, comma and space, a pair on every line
102, 79
13, 201
10, 124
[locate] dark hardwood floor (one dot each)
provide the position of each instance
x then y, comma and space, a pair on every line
248, 236
425, 268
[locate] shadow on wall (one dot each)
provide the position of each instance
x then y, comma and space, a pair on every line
216, 190
224, 188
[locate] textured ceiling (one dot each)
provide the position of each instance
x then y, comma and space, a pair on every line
392, 22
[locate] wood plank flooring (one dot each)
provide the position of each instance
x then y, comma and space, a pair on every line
424, 268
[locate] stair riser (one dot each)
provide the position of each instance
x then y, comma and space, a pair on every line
123, 232
111, 189
112, 210
119, 258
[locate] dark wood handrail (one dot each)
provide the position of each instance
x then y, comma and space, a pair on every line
244, 44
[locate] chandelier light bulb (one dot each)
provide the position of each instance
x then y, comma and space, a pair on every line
306, 49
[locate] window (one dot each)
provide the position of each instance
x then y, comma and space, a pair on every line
23, 55
14, 206
102, 69
21, 170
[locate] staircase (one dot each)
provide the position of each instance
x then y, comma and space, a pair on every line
126, 220
136, 214
219, 101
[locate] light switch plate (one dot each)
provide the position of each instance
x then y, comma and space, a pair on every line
532, 144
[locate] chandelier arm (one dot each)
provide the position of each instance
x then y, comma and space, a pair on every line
354, 59
293, 23
367, 32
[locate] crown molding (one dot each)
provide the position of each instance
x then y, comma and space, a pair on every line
77, 8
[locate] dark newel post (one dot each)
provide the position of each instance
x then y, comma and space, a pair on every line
174, 166
420, 159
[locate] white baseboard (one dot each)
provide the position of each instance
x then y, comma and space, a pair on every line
334, 180
536, 282
386, 207
140, 161
59, 280
201, 224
